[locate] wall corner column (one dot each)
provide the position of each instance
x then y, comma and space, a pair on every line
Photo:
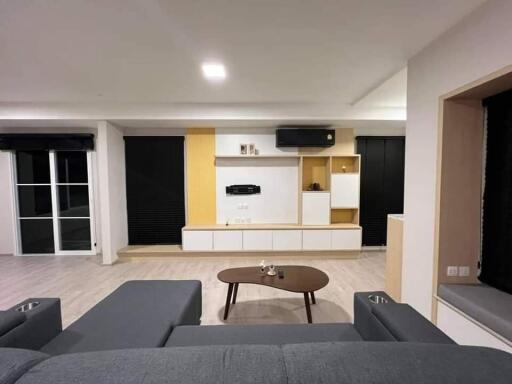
111, 190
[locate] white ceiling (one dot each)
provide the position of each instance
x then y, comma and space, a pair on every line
118, 57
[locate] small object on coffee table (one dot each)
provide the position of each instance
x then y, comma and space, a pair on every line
280, 274
271, 270
262, 266
299, 279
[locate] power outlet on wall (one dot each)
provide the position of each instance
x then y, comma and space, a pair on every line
464, 271
452, 271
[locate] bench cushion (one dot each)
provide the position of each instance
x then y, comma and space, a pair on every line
261, 334
487, 305
15, 362
10, 320
406, 324
138, 314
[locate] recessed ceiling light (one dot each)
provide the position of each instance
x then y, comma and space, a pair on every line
214, 71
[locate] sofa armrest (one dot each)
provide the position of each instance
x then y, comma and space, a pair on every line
406, 324
42, 323
365, 322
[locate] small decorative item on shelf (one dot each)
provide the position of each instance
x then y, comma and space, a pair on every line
344, 169
252, 149
256, 151
262, 267
243, 149
271, 270
314, 187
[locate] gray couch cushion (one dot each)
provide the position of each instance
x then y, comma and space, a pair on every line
391, 362
15, 362
327, 363
139, 314
261, 334
9, 320
194, 365
487, 305
406, 324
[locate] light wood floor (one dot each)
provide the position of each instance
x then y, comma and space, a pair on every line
81, 282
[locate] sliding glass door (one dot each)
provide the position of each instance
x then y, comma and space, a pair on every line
54, 196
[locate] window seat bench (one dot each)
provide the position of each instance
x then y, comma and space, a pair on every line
487, 305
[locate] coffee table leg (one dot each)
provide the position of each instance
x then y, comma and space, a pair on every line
313, 300
228, 301
308, 308
235, 293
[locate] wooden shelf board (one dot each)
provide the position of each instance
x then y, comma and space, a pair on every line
257, 156
223, 227
344, 173
325, 191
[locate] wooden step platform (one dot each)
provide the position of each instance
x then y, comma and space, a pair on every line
175, 251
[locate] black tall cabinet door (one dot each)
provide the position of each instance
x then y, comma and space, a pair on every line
382, 184
155, 189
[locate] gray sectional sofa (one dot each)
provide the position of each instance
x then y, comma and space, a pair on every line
149, 332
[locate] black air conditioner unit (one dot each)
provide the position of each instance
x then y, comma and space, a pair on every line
305, 137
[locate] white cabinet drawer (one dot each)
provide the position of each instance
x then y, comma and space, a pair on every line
345, 190
227, 240
287, 240
257, 240
316, 239
346, 239
197, 240
316, 208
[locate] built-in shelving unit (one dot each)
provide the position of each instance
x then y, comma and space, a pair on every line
328, 210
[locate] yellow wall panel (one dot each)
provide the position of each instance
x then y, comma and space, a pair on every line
201, 189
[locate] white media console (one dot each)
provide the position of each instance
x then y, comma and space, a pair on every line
308, 203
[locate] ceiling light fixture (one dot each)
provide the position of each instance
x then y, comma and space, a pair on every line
214, 71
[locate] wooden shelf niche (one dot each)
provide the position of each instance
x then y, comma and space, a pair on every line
344, 216
345, 164
316, 170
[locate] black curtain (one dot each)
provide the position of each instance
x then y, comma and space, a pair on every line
382, 184
155, 189
496, 262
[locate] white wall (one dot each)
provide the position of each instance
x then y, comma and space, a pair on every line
278, 179
477, 46
112, 190
228, 140
6, 213
379, 131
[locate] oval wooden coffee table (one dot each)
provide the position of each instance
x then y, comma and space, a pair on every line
297, 278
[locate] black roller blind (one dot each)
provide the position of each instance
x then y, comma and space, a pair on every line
46, 141
382, 184
496, 260
155, 189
